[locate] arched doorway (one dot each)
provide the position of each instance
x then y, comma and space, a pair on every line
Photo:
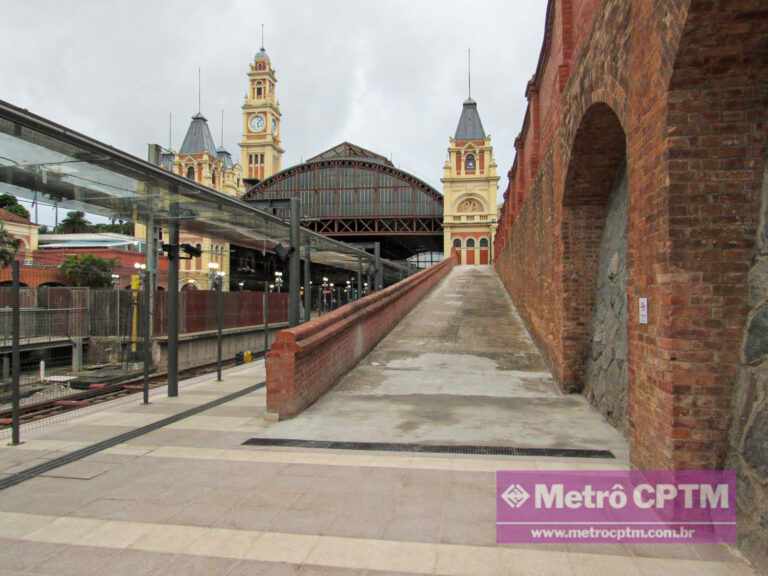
470, 252
484, 251
594, 232
457, 249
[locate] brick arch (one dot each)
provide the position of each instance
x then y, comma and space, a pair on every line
597, 155
717, 110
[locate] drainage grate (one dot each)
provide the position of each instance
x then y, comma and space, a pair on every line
432, 448
34, 471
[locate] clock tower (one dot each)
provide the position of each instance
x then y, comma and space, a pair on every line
261, 153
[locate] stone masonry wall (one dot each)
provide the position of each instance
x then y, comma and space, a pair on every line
606, 382
749, 432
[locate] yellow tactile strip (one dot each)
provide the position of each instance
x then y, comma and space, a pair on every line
336, 552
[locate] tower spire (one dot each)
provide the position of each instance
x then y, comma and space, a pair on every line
199, 89
469, 74
262, 37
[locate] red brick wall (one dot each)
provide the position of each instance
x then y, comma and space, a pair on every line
307, 361
677, 89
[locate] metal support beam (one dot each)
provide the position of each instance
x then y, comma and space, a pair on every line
265, 311
294, 264
147, 319
15, 353
219, 323
173, 307
359, 277
379, 267
77, 354
307, 283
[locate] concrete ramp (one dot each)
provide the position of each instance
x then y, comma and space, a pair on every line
459, 369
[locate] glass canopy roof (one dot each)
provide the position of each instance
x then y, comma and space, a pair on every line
45, 161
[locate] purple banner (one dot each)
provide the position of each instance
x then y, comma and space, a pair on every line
650, 506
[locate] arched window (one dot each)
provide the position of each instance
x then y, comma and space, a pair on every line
483, 242
259, 90
470, 243
191, 172
469, 164
213, 178
457, 242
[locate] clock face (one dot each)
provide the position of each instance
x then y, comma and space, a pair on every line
274, 126
256, 123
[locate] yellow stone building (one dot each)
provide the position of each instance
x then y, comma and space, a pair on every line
199, 159
261, 154
470, 185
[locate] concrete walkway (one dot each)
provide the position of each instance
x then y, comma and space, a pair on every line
191, 499
460, 369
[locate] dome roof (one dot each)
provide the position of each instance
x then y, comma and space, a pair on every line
261, 55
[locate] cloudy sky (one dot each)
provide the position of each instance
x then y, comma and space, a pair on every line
388, 75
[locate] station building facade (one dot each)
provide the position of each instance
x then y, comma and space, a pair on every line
199, 159
470, 184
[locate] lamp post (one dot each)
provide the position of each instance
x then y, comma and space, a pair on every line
325, 294
141, 269
278, 280
216, 279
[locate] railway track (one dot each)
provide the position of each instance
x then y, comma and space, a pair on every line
99, 394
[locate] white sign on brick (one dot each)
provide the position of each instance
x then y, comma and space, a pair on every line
643, 310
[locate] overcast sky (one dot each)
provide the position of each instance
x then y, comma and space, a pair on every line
388, 75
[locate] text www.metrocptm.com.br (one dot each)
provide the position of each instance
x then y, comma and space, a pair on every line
624, 533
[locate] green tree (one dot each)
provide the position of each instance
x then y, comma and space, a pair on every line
74, 223
10, 203
88, 270
9, 246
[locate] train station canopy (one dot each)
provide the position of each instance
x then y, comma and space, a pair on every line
49, 163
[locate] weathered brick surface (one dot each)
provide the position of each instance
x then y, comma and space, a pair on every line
306, 361
677, 90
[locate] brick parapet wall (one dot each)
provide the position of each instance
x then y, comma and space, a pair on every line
693, 118
307, 361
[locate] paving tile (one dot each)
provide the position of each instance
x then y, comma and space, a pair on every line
304, 521
168, 538
413, 529
590, 564
276, 547
23, 556
524, 562
78, 561
225, 543
82, 470
196, 566
65, 530
374, 554
469, 561
138, 563
14, 525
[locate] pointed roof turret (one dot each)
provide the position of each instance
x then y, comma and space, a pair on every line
198, 139
470, 127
